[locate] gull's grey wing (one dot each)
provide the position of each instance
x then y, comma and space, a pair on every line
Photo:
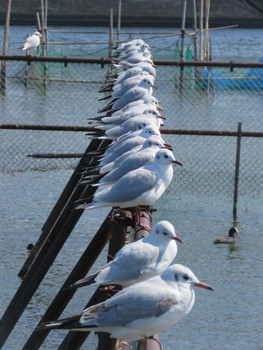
123, 268
130, 186
129, 164
139, 301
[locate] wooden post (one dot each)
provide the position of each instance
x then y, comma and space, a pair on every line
236, 179
5, 49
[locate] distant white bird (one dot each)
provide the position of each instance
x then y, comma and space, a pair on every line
142, 186
141, 310
32, 42
140, 260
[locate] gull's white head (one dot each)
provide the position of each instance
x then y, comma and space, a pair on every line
37, 34
183, 276
164, 231
150, 130
147, 83
165, 157
154, 141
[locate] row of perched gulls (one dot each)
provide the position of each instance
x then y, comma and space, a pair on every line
137, 168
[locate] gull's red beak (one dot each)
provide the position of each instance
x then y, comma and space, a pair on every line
177, 162
166, 145
178, 239
203, 285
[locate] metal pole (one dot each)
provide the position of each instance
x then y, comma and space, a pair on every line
181, 78
119, 22
111, 33
38, 269
201, 31
110, 42
140, 232
119, 224
238, 150
206, 54
5, 48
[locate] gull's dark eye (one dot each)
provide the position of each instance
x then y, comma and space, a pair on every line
165, 233
185, 277
165, 156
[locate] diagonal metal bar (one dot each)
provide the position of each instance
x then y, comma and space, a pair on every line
64, 295
59, 213
53, 241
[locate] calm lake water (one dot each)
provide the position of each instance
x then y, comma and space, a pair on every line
228, 318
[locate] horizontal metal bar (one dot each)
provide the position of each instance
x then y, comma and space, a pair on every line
103, 61
163, 131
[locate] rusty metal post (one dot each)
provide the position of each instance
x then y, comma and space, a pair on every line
140, 232
119, 227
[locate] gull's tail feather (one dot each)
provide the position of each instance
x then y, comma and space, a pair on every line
105, 98
84, 203
83, 282
64, 323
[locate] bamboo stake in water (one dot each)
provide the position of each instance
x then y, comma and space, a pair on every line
201, 30
206, 53
181, 78
238, 150
5, 48
119, 22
